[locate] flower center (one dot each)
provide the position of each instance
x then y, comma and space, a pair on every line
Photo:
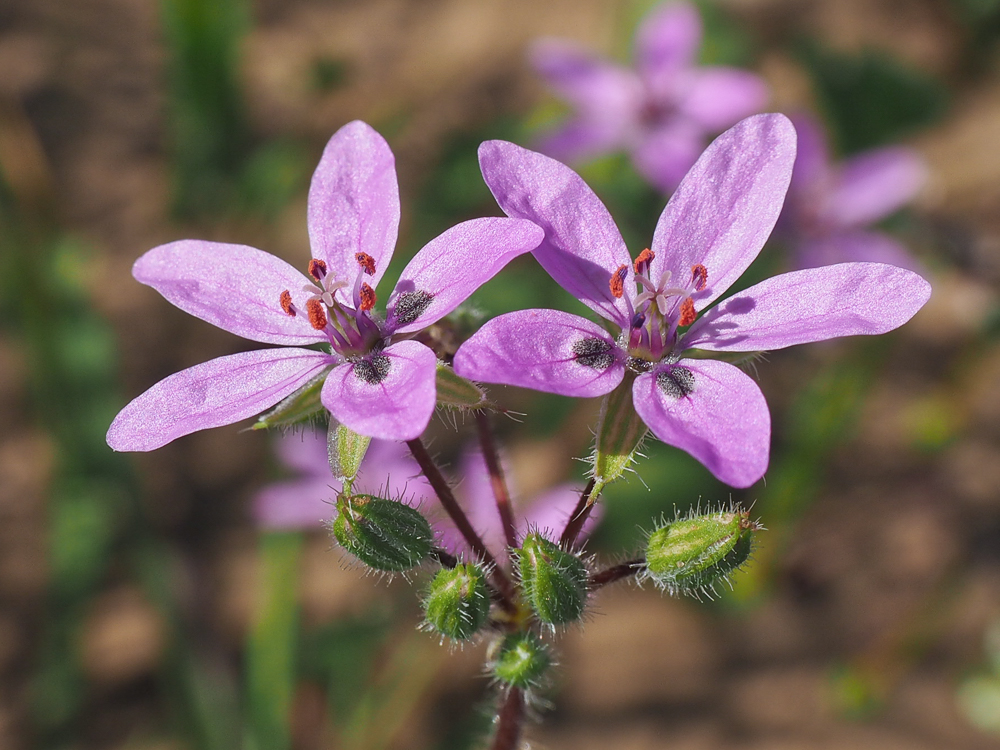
349, 326
660, 307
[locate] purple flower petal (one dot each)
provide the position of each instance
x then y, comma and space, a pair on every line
354, 203
296, 504
214, 393
583, 138
666, 42
872, 185
390, 471
666, 155
812, 158
234, 287
855, 246
590, 83
815, 304
582, 246
388, 395
717, 97
723, 420
546, 350
453, 265
726, 206
551, 511
305, 452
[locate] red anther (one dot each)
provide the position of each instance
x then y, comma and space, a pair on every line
645, 257
687, 312
699, 275
317, 269
367, 297
285, 300
317, 315
617, 282
366, 262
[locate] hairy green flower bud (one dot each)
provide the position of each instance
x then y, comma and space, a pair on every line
553, 580
691, 554
383, 534
458, 601
521, 660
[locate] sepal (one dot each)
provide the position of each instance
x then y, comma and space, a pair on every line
345, 450
620, 431
455, 391
300, 407
521, 660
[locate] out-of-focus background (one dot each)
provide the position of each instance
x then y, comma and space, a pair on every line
142, 609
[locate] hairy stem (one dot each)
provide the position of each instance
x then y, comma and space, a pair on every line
497, 481
509, 721
461, 521
615, 573
579, 517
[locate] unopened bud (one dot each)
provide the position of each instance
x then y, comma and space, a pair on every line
383, 534
521, 660
458, 601
691, 554
553, 580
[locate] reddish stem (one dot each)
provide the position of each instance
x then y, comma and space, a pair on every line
497, 481
615, 573
580, 514
461, 521
509, 721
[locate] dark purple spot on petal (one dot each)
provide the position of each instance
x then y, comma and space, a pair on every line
373, 369
594, 353
677, 382
411, 305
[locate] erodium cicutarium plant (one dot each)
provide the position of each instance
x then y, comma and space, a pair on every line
373, 376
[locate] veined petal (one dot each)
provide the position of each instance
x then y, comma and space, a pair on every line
723, 421
544, 350
234, 287
354, 203
872, 185
214, 393
717, 97
855, 245
666, 42
849, 299
665, 155
453, 265
389, 395
582, 246
726, 206
592, 84
296, 504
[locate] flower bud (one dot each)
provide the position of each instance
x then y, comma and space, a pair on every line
458, 601
297, 408
691, 554
553, 580
521, 660
383, 534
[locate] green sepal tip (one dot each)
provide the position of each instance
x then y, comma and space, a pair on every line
300, 407
345, 450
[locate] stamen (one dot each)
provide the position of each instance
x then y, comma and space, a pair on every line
367, 297
317, 269
699, 275
644, 259
285, 300
366, 262
317, 315
688, 313
617, 282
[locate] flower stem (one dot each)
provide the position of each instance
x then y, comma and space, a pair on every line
615, 573
509, 721
500, 491
579, 517
461, 521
